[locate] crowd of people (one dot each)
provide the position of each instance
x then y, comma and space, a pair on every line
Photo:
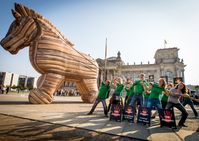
140, 93
66, 92
4, 89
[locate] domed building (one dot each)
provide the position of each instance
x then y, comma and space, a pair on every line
167, 65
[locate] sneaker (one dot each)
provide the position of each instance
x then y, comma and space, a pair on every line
89, 113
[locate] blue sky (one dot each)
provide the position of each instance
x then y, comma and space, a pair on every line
136, 28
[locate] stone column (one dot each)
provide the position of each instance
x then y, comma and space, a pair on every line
183, 79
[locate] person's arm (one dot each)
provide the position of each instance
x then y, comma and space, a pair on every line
108, 93
145, 86
132, 88
166, 92
113, 84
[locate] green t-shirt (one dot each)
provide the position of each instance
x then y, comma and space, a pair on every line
119, 89
164, 98
146, 95
138, 86
156, 91
103, 91
129, 91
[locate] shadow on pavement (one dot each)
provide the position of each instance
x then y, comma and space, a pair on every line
26, 102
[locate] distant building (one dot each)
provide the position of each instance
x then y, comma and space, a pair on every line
22, 81
31, 82
12, 79
8, 79
167, 64
15, 79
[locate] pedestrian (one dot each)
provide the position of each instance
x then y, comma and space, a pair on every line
7, 89
102, 96
1, 89
173, 100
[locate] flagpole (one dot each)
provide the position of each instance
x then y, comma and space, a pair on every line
105, 61
165, 43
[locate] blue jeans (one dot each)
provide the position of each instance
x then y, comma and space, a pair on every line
135, 98
146, 100
97, 101
156, 103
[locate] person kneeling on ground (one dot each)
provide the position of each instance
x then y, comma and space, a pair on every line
102, 96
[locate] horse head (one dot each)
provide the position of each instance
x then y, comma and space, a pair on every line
20, 34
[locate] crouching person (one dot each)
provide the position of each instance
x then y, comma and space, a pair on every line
102, 96
174, 100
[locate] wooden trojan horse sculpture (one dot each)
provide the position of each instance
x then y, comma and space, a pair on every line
51, 55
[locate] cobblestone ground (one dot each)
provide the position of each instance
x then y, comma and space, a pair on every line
66, 119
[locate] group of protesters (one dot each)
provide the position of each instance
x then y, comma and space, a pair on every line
140, 93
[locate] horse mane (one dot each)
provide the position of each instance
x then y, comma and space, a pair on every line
25, 11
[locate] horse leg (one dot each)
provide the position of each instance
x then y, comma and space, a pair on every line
47, 84
88, 90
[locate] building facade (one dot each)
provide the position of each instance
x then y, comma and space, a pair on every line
167, 64
9, 79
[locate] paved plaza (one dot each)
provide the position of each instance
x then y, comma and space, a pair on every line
66, 119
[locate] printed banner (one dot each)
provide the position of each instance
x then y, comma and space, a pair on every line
144, 115
116, 112
129, 113
167, 118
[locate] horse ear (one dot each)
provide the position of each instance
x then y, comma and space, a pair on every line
16, 14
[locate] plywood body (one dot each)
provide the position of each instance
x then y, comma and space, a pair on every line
51, 55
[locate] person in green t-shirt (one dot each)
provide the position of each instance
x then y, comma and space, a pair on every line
165, 97
146, 95
116, 97
129, 91
103, 94
139, 88
156, 91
